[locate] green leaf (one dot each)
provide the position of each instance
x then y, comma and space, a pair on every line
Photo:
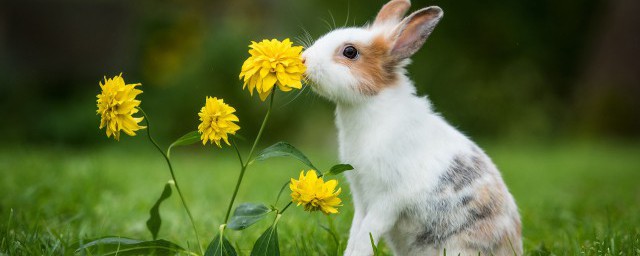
247, 214
187, 139
267, 244
220, 246
154, 221
339, 168
284, 149
126, 246
373, 245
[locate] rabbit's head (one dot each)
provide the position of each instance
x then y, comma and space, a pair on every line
349, 65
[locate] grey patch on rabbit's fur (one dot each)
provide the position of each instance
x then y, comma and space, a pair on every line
483, 211
427, 237
466, 200
439, 231
463, 172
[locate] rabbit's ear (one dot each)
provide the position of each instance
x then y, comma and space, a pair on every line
413, 31
392, 12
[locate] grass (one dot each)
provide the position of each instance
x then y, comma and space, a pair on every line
574, 198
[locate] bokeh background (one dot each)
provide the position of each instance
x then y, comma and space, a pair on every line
550, 89
517, 69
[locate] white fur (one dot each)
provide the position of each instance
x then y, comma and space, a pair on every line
399, 148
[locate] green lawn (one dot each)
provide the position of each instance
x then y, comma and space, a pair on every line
575, 198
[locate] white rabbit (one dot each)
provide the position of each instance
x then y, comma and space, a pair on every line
418, 182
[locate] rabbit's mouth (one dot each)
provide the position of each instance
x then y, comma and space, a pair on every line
313, 79
310, 75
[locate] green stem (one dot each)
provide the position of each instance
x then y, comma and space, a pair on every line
284, 186
233, 142
173, 176
285, 208
244, 166
264, 123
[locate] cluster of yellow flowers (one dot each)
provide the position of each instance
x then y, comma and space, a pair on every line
272, 63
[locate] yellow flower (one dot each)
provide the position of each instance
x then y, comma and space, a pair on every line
315, 194
273, 63
116, 105
217, 121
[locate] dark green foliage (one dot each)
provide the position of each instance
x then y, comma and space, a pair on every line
220, 246
154, 221
339, 168
284, 149
267, 244
247, 214
487, 63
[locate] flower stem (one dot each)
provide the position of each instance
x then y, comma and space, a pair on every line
233, 142
285, 208
173, 176
248, 160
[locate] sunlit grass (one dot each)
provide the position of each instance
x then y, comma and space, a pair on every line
574, 198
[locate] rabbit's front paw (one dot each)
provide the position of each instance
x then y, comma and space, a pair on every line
359, 249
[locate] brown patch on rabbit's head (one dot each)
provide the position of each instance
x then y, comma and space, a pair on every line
374, 67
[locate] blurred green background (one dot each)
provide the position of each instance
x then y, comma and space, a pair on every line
516, 69
550, 89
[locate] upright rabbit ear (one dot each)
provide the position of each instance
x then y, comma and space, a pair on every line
392, 12
413, 31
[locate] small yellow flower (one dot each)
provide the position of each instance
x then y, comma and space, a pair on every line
273, 63
116, 105
217, 121
315, 194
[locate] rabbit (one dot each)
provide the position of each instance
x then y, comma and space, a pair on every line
417, 182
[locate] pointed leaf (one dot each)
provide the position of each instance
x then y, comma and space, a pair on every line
284, 149
339, 168
373, 245
187, 139
125, 246
220, 246
154, 221
247, 214
267, 244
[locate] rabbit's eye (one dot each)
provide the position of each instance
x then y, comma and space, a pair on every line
350, 52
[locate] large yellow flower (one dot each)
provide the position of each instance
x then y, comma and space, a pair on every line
273, 63
116, 105
315, 194
217, 121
